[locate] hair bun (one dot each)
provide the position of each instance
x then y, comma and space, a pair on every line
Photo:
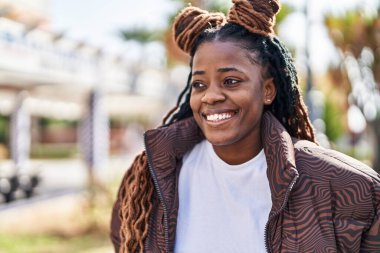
191, 22
276, 6
257, 16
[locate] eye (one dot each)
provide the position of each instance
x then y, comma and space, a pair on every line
196, 85
231, 82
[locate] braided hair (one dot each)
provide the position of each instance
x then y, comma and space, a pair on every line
288, 106
249, 25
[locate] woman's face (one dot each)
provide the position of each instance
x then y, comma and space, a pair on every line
229, 93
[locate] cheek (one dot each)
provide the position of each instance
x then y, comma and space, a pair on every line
193, 103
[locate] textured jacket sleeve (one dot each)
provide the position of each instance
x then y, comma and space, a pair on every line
371, 239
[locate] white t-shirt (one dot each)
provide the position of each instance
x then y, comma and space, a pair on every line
222, 208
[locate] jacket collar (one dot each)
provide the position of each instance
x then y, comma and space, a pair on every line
279, 153
166, 145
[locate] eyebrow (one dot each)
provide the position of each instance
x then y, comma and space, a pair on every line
221, 70
198, 72
229, 69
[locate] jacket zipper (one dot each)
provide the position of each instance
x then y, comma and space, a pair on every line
266, 231
161, 197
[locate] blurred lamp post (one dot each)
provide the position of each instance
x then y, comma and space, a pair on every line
94, 127
94, 132
20, 137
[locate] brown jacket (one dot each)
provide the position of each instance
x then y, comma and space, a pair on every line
322, 200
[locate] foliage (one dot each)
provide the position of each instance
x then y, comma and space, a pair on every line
4, 129
355, 33
50, 122
54, 151
218, 6
124, 122
284, 12
50, 243
332, 116
141, 35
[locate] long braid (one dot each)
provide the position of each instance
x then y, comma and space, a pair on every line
135, 206
185, 112
288, 106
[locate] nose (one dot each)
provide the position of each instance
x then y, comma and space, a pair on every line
212, 95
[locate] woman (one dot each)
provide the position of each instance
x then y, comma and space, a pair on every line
235, 167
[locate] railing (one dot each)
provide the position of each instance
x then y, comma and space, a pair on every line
39, 53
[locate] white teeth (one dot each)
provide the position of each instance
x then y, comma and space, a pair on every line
217, 117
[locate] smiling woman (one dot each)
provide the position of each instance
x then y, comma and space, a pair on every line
235, 167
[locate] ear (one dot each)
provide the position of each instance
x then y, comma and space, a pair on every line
269, 91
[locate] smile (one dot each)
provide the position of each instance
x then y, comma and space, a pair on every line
216, 117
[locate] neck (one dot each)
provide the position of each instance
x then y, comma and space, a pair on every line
239, 153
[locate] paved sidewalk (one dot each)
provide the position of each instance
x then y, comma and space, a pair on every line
40, 215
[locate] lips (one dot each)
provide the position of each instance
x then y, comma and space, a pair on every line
216, 116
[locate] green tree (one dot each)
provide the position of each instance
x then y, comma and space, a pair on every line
356, 35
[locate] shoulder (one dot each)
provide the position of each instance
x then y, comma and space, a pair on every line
353, 186
314, 160
344, 189
173, 140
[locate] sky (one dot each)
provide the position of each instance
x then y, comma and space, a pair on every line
98, 21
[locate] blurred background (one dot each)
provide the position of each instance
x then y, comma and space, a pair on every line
80, 82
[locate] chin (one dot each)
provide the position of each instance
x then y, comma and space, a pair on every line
220, 142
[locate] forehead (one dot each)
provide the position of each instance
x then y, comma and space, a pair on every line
224, 53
